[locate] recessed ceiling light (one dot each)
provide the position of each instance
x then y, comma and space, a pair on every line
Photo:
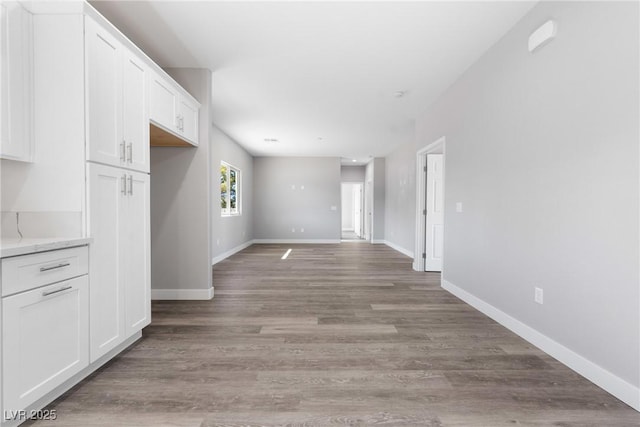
270, 140
354, 160
399, 93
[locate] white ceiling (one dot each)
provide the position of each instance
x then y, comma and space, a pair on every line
320, 77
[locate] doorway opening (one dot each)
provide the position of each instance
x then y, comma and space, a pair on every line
352, 211
429, 245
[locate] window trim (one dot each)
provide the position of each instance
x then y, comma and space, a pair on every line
225, 212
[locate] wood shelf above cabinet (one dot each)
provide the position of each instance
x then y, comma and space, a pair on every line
161, 138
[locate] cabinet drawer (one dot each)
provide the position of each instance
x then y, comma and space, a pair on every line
26, 272
45, 335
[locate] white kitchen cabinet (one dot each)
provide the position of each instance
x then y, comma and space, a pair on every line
45, 340
16, 82
117, 118
118, 221
163, 103
137, 254
172, 110
188, 113
135, 114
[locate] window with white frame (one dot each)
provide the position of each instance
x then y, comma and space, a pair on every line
229, 189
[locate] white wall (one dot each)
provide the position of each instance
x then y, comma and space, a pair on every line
49, 193
282, 205
542, 150
181, 204
230, 233
352, 173
400, 197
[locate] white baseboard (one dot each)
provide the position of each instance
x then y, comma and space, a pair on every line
378, 242
182, 294
400, 249
613, 384
295, 241
228, 253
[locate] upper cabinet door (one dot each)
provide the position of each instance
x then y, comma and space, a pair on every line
188, 115
163, 103
105, 143
135, 116
16, 98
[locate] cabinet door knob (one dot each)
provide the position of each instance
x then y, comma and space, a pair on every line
130, 147
123, 154
123, 182
131, 185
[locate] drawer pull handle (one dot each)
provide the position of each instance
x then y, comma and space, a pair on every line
47, 293
64, 264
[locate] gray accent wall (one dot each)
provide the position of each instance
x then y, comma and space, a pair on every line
400, 197
292, 193
542, 152
230, 232
181, 200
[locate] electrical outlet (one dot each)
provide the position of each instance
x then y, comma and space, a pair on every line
458, 206
538, 295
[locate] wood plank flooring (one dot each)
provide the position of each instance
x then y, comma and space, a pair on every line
334, 335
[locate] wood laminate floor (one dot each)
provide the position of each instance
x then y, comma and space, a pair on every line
335, 335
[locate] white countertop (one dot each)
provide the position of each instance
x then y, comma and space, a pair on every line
15, 247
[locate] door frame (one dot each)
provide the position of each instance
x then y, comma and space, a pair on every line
436, 147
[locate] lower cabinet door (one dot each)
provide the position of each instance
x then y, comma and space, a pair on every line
45, 340
138, 256
106, 214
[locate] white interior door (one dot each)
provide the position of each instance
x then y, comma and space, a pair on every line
368, 207
434, 229
357, 209
347, 207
